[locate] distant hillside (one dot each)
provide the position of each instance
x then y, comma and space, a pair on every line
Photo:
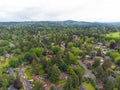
67, 23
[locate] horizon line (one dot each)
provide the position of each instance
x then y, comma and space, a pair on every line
59, 21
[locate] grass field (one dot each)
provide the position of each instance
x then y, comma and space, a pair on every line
114, 35
88, 86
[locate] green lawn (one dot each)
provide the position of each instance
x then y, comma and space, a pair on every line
4, 63
61, 82
114, 35
88, 86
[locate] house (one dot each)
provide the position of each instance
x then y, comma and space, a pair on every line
2, 58
111, 78
100, 44
8, 55
117, 72
10, 70
63, 76
63, 45
100, 58
99, 84
87, 57
107, 58
52, 44
104, 51
11, 44
93, 53
75, 37
12, 88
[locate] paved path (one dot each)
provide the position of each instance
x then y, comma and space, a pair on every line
60, 87
83, 88
25, 82
88, 72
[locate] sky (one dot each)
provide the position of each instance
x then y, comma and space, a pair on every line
59, 10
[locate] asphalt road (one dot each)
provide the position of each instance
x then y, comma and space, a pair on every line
88, 72
26, 83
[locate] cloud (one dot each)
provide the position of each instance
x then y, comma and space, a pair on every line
42, 10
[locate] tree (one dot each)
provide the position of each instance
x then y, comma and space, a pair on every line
17, 83
117, 60
37, 51
99, 53
54, 73
28, 57
109, 85
79, 74
55, 49
112, 44
68, 84
100, 73
37, 85
52, 88
75, 80
14, 62
107, 64
70, 44
70, 70
118, 82
70, 58
77, 51
62, 65
3, 82
96, 63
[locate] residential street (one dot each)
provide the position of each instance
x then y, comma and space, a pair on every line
88, 72
25, 82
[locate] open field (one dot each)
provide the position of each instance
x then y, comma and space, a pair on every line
114, 35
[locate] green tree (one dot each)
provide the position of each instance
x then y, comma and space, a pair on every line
37, 85
70, 58
99, 53
68, 84
54, 73
75, 80
96, 63
55, 49
79, 74
53, 88
118, 81
14, 62
107, 64
70, 44
17, 83
3, 82
109, 85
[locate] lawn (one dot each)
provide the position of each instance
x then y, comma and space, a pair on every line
88, 86
4, 63
61, 82
114, 35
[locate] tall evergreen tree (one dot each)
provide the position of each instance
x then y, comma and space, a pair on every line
75, 80
68, 84
54, 73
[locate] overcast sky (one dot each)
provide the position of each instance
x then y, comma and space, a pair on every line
57, 10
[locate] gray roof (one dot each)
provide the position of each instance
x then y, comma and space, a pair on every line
111, 78
12, 88
83, 88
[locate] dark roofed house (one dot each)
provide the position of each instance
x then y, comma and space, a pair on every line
10, 71
111, 78
12, 88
